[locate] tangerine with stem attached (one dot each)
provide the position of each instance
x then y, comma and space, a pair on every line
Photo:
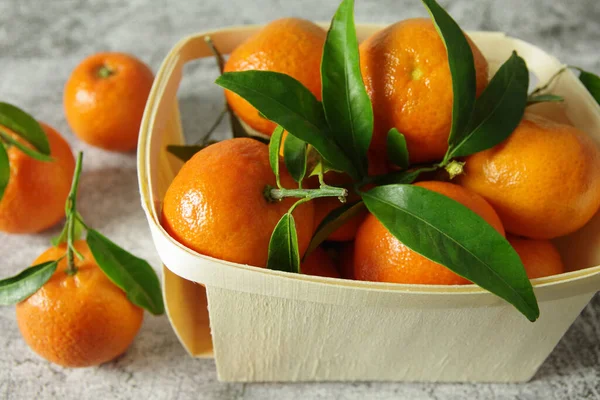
79, 318
217, 206
34, 199
380, 257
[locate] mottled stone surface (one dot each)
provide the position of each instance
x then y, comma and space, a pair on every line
41, 41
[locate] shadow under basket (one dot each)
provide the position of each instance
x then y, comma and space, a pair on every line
264, 325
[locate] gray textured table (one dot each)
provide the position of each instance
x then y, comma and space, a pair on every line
41, 41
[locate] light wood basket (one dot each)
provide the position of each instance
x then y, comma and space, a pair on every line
263, 325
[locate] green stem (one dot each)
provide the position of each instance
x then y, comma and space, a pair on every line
71, 211
549, 82
104, 72
275, 194
216, 53
211, 130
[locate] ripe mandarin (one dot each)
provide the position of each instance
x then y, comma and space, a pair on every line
539, 257
216, 204
291, 46
35, 197
406, 73
78, 320
544, 180
380, 257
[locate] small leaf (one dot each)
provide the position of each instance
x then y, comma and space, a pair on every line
397, 149
335, 219
25, 126
402, 177
591, 83
346, 103
450, 234
285, 101
130, 273
283, 246
294, 157
78, 230
4, 170
497, 111
4, 135
462, 69
274, 147
19, 287
544, 98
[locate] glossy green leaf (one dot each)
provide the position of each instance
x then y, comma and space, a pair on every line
4, 170
26, 283
294, 157
497, 111
274, 148
334, 220
6, 137
345, 100
591, 83
462, 69
283, 246
25, 126
396, 148
185, 152
450, 234
78, 230
288, 103
544, 98
132, 274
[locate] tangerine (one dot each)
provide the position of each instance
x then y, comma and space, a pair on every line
540, 257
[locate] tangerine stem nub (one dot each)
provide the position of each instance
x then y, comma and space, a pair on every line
71, 212
275, 194
104, 72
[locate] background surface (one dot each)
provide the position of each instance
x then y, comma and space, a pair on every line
41, 41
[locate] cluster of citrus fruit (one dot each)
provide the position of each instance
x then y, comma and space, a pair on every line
82, 301
402, 149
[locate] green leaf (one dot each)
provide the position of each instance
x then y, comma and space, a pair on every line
397, 149
26, 283
274, 147
497, 111
4, 170
185, 152
591, 83
450, 234
283, 246
345, 100
132, 274
544, 98
25, 126
4, 135
402, 177
79, 228
294, 157
285, 101
335, 219
462, 69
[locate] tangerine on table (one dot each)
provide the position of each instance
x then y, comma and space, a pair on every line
79, 320
216, 204
380, 257
104, 100
35, 197
291, 46
319, 263
540, 257
544, 180
406, 74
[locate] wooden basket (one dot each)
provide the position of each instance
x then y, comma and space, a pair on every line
264, 325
